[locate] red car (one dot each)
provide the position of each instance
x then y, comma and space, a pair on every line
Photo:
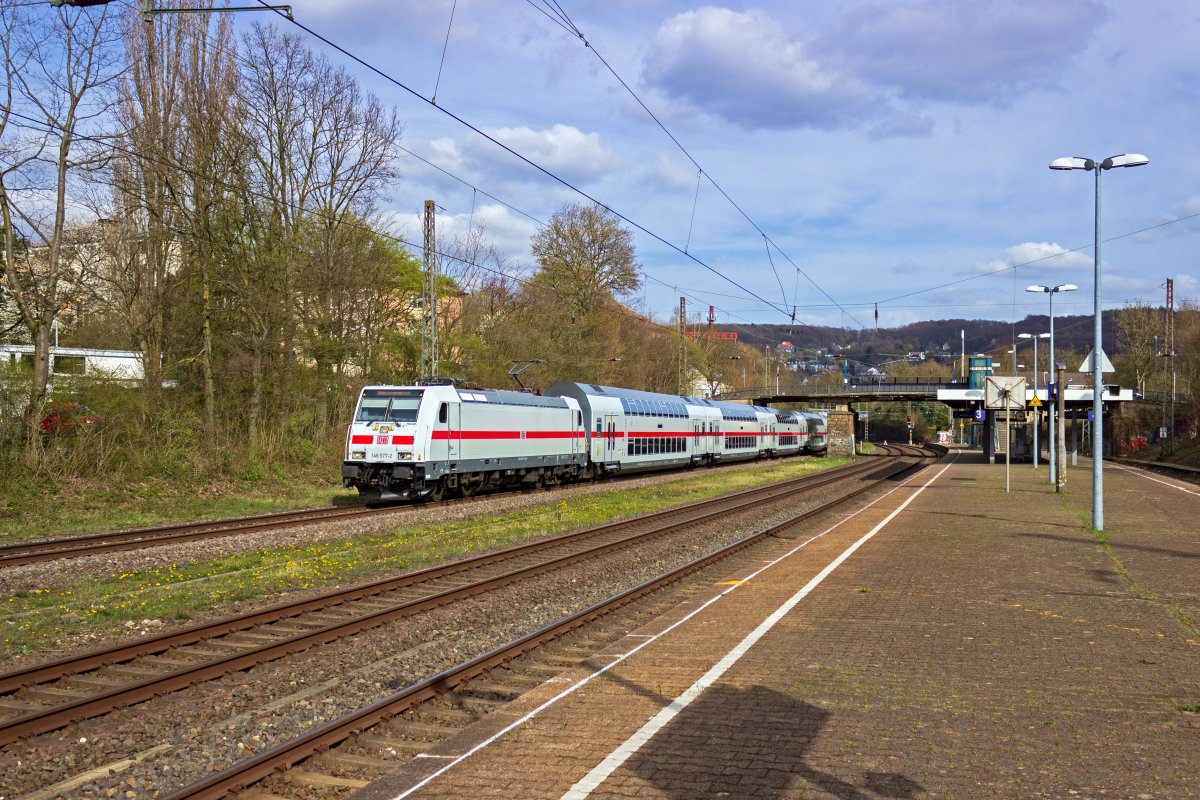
63, 418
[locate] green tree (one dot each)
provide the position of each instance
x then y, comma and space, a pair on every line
586, 262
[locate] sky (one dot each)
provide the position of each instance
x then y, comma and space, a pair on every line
815, 158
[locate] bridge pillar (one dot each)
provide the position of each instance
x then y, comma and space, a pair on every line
841, 432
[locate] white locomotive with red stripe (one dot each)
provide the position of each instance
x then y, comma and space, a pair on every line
412, 442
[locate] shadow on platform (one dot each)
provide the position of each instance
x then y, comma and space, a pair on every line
750, 743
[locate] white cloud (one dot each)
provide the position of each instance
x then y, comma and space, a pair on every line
746, 68
988, 51
1186, 212
562, 149
1039, 256
445, 153
508, 231
859, 69
672, 175
1130, 287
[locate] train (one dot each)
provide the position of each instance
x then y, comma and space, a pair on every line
434, 441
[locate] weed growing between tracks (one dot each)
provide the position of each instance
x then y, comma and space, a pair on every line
32, 619
1135, 589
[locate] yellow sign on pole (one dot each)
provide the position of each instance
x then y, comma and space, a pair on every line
1035, 402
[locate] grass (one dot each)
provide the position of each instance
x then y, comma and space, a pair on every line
79, 506
30, 620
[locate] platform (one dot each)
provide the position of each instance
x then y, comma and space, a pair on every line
949, 641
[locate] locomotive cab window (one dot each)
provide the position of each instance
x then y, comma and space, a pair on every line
442, 413
404, 409
388, 407
372, 409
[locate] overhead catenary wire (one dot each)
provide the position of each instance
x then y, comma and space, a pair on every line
794, 307
557, 14
574, 29
400, 240
445, 46
695, 202
417, 248
1002, 270
521, 157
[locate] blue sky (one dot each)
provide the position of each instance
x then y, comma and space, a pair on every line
885, 148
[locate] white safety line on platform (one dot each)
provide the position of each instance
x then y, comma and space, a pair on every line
590, 782
1147, 476
579, 684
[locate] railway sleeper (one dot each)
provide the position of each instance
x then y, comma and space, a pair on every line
450, 715
154, 665
51, 695
390, 744
213, 649
93, 683
474, 704
429, 731
307, 777
140, 673
341, 759
16, 706
253, 639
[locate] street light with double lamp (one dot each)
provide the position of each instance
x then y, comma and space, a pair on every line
1052, 290
1075, 162
1036, 422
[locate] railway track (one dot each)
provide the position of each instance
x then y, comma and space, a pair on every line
18, 553
44, 697
346, 753
1183, 473
33, 552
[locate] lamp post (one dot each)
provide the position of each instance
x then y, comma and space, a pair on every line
1036, 421
1052, 290
1075, 162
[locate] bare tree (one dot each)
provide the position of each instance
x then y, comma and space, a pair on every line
58, 70
322, 152
1137, 325
210, 110
145, 245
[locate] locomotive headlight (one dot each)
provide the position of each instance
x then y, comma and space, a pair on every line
358, 454
404, 455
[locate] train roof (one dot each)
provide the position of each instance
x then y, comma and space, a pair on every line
498, 396
728, 409
617, 392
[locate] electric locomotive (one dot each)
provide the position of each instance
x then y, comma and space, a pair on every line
415, 442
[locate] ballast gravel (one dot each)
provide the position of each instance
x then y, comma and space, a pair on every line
150, 749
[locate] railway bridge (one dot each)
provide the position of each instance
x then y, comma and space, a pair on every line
966, 401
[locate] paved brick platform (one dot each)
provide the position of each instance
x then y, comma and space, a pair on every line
979, 644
